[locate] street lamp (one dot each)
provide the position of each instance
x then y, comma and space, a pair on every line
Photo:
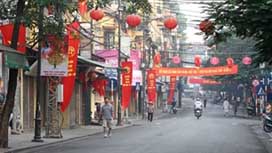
37, 134
119, 115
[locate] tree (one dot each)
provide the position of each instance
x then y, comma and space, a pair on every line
27, 12
246, 19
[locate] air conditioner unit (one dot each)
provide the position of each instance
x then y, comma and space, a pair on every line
60, 93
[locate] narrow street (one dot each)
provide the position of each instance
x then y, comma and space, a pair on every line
181, 133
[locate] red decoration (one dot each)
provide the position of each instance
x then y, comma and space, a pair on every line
133, 20
170, 23
172, 88
82, 6
69, 80
92, 75
157, 59
97, 14
230, 62
214, 60
206, 26
7, 31
247, 60
197, 61
126, 83
151, 86
176, 59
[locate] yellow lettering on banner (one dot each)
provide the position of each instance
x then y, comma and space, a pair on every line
174, 72
194, 72
71, 51
190, 72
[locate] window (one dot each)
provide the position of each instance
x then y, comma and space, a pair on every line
108, 39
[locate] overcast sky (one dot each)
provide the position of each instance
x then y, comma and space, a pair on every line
193, 12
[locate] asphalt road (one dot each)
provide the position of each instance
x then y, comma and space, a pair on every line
180, 133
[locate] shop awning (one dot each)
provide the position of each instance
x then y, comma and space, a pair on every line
13, 58
91, 62
33, 68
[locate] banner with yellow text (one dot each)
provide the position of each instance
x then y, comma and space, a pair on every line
126, 83
69, 80
206, 71
151, 86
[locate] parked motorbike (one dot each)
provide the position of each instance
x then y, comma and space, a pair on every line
267, 123
250, 110
175, 110
198, 113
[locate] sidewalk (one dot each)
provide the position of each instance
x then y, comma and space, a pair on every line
23, 141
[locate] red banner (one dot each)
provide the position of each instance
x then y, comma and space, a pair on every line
69, 80
172, 88
207, 71
126, 83
151, 86
203, 81
7, 31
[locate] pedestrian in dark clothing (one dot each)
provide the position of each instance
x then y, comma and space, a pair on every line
205, 102
150, 111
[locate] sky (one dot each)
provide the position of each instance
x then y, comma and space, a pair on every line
193, 12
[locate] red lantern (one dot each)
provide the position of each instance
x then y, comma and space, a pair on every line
97, 14
206, 26
214, 60
247, 60
197, 61
176, 59
170, 23
230, 62
157, 59
92, 75
133, 20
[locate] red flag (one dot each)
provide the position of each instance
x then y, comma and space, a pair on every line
126, 84
82, 6
7, 31
172, 88
69, 81
151, 85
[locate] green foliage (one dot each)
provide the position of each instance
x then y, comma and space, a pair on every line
246, 19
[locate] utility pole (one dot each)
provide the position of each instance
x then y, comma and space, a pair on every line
37, 134
119, 115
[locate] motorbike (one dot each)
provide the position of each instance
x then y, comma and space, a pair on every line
250, 110
175, 110
267, 123
198, 113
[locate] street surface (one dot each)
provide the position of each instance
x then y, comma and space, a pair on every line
180, 133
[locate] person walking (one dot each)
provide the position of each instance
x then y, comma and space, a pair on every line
107, 113
235, 105
226, 107
150, 111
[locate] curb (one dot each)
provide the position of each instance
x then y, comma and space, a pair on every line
41, 145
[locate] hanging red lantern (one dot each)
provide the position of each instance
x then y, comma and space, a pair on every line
247, 60
133, 20
206, 26
157, 59
214, 60
97, 14
92, 75
197, 61
170, 23
176, 59
230, 62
